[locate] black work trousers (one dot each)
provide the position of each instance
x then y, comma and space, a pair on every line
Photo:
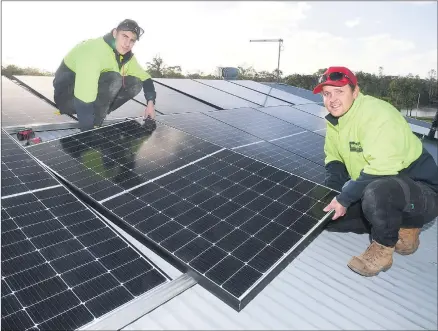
112, 93
387, 205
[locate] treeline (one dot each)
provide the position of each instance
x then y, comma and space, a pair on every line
404, 92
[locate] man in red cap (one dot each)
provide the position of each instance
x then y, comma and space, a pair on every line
387, 181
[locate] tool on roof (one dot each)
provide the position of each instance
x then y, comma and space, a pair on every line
25, 134
33, 141
149, 124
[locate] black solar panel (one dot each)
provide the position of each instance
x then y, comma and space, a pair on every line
210, 129
256, 123
313, 108
172, 102
307, 144
20, 107
243, 92
282, 95
297, 117
230, 219
206, 93
20, 172
118, 157
62, 266
44, 85
285, 160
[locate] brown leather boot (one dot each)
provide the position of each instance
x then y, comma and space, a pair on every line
408, 241
376, 258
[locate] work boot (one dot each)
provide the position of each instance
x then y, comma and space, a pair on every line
376, 258
408, 241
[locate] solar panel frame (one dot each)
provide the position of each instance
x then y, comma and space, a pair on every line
50, 240
157, 198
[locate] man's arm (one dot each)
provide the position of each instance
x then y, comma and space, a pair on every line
87, 75
335, 171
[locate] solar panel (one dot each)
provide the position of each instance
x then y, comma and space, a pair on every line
20, 172
243, 92
62, 266
307, 144
172, 102
44, 85
285, 160
294, 116
298, 91
224, 135
268, 90
117, 157
313, 108
209, 129
206, 93
256, 123
20, 107
231, 220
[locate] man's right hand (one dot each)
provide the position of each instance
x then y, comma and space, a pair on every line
150, 110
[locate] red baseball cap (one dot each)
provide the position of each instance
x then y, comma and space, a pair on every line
336, 76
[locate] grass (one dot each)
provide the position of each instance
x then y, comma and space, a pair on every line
426, 119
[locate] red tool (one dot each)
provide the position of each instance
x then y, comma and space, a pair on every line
33, 141
25, 134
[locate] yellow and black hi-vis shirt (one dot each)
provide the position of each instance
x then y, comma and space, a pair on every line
373, 140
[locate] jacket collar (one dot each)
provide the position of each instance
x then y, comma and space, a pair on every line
109, 39
349, 114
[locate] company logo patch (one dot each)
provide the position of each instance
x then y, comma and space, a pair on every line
355, 147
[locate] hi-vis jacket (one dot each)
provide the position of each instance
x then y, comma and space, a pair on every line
372, 140
92, 57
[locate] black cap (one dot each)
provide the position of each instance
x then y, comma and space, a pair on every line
130, 25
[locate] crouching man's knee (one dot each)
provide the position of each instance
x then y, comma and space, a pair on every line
133, 86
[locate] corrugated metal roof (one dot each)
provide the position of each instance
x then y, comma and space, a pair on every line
318, 291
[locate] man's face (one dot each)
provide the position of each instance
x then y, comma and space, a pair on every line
338, 100
125, 40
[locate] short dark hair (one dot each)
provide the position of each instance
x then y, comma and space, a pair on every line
130, 25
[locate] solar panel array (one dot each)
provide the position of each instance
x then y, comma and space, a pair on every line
62, 266
20, 107
225, 187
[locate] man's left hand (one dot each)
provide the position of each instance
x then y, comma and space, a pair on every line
150, 110
339, 209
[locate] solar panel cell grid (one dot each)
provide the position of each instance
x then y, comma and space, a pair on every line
208, 215
307, 144
60, 261
285, 160
256, 123
228, 217
297, 117
104, 167
62, 267
21, 173
209, 129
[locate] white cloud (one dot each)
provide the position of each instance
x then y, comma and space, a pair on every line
352, 23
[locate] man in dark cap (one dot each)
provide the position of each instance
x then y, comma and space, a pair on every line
388, 182
99, 75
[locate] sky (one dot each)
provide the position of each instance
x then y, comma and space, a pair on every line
201, 36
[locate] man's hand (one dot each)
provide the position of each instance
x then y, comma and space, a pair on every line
339, 209
150, 110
